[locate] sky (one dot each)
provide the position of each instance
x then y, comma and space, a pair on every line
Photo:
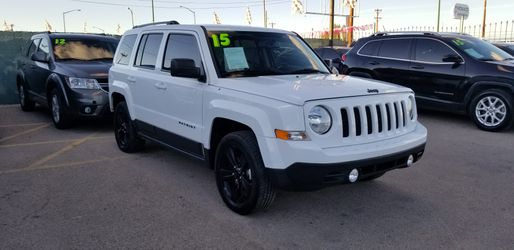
107, 15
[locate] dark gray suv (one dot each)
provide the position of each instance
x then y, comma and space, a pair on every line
67, 73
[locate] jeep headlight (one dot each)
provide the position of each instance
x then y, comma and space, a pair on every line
320, 120
410, 107
83, 83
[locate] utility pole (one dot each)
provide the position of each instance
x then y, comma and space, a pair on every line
483, 20
331, 41
438, 14
349, 23
265, 16
377, 18
153, 13
272, 24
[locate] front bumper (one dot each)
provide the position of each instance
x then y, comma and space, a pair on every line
310, 176
88, 103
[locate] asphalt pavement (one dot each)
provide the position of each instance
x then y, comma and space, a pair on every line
73, 189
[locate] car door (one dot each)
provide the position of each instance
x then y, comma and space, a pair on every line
393, 60
143, 83
430, 75
28, 66
180, 98
42, 70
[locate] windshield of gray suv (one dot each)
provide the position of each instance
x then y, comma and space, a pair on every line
83, 49
244, 54
481, 50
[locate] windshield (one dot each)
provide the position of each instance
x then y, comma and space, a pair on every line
480, 50
83, 49
243, 54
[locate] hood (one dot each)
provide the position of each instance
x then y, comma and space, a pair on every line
503, 66
84, 69
298, 89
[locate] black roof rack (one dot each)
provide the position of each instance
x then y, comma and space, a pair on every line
172, 22
406, 33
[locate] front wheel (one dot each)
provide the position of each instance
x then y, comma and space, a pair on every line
491, 110
59, 117
240, 176
124, 130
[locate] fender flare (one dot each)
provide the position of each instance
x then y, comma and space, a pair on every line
59, 85
472, 90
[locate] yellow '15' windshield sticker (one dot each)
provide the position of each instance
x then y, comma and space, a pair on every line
60, 41
221, 40
458, 42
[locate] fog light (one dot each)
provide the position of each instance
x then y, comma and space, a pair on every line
353, 176
87, 110
410, 160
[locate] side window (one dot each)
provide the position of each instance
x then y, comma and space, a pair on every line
428, 50
181, 46
125, 49
33, 46
43, 46
370, 49
395, 48
147, 50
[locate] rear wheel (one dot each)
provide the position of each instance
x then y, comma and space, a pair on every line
491, 110
240, 176
59, 117
125, 132
25, 103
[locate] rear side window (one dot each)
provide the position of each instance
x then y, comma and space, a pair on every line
33, 46
370, 49
148, 50
125, 49
428, 50
181, 46
395, 48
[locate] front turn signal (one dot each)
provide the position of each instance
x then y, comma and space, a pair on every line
291, 135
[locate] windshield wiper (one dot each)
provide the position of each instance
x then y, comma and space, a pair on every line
100, 59
509, 59
487, 60
307, 71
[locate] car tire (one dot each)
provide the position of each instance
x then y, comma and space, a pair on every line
25, 103
125, 132
371, 177
60, 119
240, 174
491, 110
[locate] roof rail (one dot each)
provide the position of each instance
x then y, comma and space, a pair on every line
172, 22
405, 33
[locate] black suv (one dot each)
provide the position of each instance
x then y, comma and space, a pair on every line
447, 71
68, 73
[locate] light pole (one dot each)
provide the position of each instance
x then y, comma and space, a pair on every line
438, 14
64, 17
131, 15
194, 14
153, 13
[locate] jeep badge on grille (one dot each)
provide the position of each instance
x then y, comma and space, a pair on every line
373, 91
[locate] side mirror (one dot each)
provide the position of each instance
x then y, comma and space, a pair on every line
183, 67
39, 56
453, 58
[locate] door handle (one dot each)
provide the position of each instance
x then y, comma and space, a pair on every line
418, 67
374, 63
131, 79
161, 85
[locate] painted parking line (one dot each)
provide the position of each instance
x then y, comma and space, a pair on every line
24, 132
62, 165
62, 150
52, 142
21, 125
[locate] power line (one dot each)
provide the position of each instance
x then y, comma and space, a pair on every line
220, 3
169, 7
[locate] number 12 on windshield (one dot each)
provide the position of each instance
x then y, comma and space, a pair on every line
221, 40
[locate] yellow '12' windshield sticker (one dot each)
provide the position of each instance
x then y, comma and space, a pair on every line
458, 42
221, 40
60, 41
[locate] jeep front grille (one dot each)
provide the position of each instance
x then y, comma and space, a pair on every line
364, 120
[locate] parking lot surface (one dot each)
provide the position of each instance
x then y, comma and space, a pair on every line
75, 189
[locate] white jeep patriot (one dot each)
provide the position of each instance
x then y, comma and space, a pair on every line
261, 107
